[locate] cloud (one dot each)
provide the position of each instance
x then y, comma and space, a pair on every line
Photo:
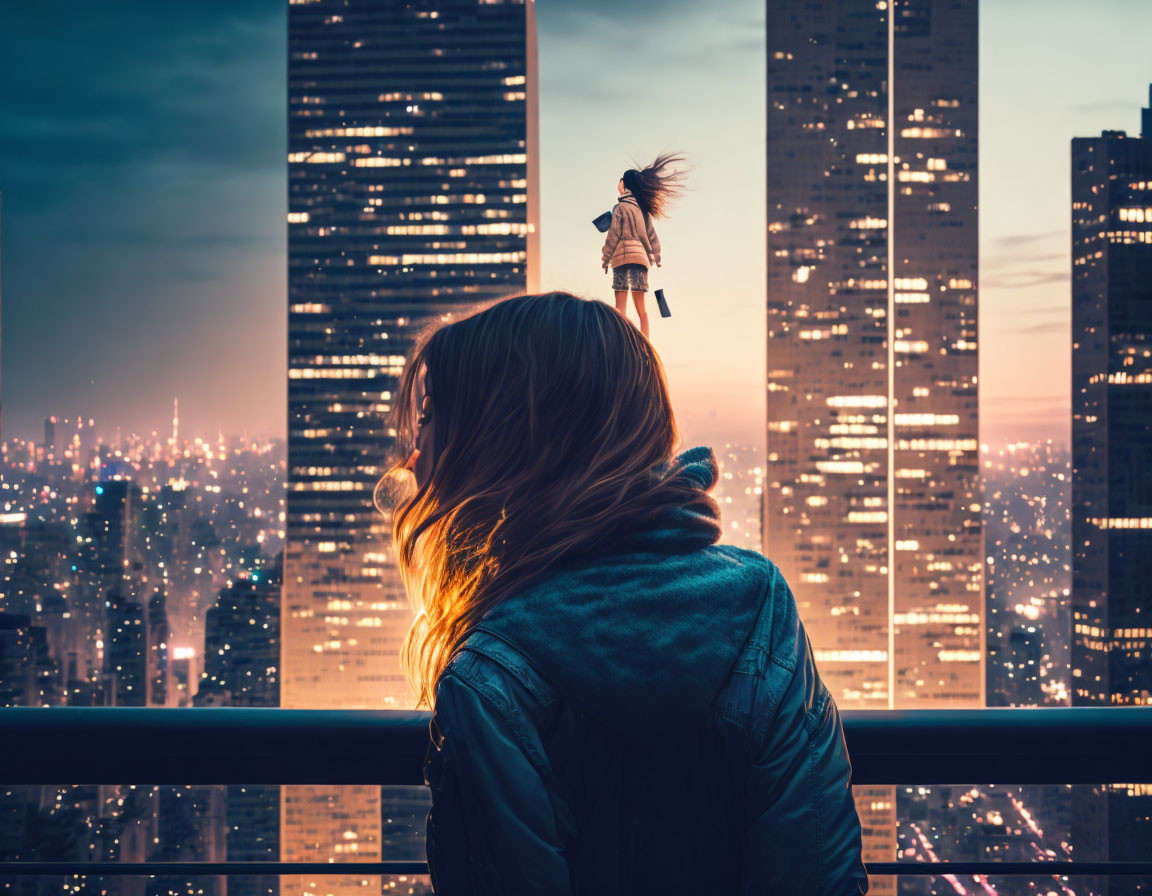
142, 160
723, 28
1021, 239
119, 87
603, 15
1017, 258
1023, 279
1055, 326
1023, 260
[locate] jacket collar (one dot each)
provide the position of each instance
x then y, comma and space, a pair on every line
642, 637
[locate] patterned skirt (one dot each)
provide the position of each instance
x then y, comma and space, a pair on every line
630, 277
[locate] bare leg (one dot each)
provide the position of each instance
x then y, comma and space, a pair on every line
638, 299
622, 301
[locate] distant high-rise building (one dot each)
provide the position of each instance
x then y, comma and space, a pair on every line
242, 645
241, 668
190, 827
28, 675
253, 835
159, 636
1112, 462
13, 528
872, 504
872, 494
49, 436
125, 651
184, 679
1112, 417
412, 193
107, 527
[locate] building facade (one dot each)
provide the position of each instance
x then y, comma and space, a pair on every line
1112, 417
412, 194
872, 503
1112, 463
242, 644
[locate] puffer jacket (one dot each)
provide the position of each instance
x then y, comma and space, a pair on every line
648, 720
631, 238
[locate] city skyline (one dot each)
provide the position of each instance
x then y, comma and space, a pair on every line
257, 572
206, 213
217, 480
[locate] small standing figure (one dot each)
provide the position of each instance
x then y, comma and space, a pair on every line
631, 245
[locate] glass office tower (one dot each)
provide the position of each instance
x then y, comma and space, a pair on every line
1112, 464
872, 499
1112, 417
412, 193
872, 507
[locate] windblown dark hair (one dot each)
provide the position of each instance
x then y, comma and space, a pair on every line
551, 419
656, 185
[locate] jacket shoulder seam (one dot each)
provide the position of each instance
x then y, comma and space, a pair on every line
501, 706
509, 658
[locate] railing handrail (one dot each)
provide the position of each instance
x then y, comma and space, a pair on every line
993, 869
1082, 745
105, 745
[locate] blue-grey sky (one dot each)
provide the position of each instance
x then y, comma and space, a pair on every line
142, 167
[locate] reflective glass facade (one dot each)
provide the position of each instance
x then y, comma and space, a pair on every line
411, 192
1112, 417
1112, 465
871, 492
872, 505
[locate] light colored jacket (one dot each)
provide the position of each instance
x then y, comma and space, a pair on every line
631, 238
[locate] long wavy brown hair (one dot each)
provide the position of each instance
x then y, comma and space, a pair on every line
655, 186
551, 420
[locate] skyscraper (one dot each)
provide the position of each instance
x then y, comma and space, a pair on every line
159, 636
1112, 417
872, 500
125, 651
1112, 460
412, 192
242, 645
107, 526
28, 675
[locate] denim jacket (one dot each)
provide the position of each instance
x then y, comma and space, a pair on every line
647, 721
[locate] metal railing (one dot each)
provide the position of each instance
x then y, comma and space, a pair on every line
283, 746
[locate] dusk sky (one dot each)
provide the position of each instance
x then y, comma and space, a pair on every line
142, 169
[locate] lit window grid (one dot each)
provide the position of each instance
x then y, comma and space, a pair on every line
827, 279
